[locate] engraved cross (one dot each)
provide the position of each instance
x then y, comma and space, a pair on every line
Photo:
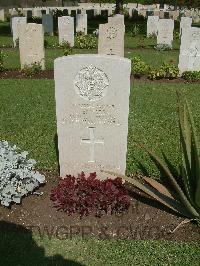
92, 142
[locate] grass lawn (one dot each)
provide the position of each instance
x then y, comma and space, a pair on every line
23, 249
27, 115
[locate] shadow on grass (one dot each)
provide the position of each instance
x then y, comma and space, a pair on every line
17, 247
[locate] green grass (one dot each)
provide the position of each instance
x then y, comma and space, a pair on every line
25, 249
27, 115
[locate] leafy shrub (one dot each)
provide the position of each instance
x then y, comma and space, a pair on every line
191, 75
2, 68
168, 71
33, 69
135, 30
163, 47
86, 195
67, 49
17, 174
139, 67
46, 43
176, 35
182, 194
85, 41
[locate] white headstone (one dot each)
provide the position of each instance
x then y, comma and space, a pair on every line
37, 13
31, 45
165, 31
111, 39
117, 19
47, 22
189, 57
185, 23
81, 23
2, 15
66, 30
152, 25
92, 106
16, 21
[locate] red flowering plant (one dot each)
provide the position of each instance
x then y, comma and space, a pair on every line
89, 195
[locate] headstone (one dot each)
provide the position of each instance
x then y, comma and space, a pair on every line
2, 15
161, 14
117, 19
97, 12
81, 23
47, 22
16, 21
142, 13
152, 25
31, 44
185, 23
189, 57
37, 13
92, 106
111, 39
66, 30
165, 31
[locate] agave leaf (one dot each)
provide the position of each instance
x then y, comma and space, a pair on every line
169, 202
177, 188
195, 158
185, 140
158, 186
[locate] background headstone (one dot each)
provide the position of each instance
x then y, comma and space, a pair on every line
81, 23
111, 39
16, 21
92, 106
31, 44
185, 23
66, 30
165, 31
2, 15
47, 22
152, 25
189, 57
118, 19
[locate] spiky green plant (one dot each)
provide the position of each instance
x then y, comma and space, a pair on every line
183, 196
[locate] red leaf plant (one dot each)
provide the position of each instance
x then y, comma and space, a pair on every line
89, 195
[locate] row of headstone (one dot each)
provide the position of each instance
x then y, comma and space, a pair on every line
65, 27
163, 29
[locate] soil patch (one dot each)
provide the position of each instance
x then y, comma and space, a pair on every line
146, 219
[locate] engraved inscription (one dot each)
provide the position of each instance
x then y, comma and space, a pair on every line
87, 114
91, 83
111, 33
92, 142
